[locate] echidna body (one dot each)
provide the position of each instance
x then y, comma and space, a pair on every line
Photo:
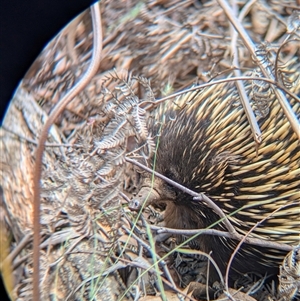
207, 146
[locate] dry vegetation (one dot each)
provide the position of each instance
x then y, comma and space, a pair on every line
94, 246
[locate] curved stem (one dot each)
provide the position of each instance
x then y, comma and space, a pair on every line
81, 84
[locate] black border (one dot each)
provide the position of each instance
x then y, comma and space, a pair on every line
25, 28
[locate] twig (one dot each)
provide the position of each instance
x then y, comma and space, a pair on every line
161, 262
239, 84
226, 80
218, 210
237, 236
91, 71
9, 259
291, 116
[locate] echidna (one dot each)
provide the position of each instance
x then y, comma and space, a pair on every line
208, 147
